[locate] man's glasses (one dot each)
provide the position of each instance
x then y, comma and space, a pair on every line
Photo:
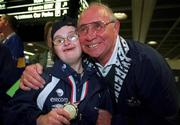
98, 27
71, 37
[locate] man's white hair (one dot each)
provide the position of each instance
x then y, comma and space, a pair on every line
107, 9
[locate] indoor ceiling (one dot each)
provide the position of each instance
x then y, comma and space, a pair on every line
148, 20
151, 20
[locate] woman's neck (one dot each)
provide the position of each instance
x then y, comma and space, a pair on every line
78, 67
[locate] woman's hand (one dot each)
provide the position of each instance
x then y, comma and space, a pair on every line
57, 116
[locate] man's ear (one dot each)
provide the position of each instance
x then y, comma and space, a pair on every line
117, 26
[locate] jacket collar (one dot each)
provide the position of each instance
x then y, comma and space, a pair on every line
62, 70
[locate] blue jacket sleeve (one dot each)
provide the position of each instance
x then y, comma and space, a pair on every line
155, 83
22, 109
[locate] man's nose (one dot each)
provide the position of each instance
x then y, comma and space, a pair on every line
91, 33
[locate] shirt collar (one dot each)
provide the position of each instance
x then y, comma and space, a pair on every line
13, 33
113, 56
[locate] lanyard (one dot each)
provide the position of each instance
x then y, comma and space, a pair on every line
73, 91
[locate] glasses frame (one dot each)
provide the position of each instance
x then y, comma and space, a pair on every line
101, 23
59, 40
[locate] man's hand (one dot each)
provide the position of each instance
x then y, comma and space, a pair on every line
104, 118
31, 77
57, 116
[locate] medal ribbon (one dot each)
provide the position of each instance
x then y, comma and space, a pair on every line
73, 92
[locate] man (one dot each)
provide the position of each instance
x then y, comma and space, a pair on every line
8, 75
8, 26
140, 81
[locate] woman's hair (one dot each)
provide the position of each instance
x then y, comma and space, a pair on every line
47, 28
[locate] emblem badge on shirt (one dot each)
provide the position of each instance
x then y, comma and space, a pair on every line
59, 97
60, 92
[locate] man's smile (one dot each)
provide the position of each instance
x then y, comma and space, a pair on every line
93, 46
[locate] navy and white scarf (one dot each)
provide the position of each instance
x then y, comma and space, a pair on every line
115, 71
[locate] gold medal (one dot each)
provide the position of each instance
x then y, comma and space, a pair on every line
71, 109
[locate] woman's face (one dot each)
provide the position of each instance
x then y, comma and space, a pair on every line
66, 45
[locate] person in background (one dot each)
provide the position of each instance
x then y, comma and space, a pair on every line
1, 37
73, 92
140, 81
45, 58
8, 26
8, 75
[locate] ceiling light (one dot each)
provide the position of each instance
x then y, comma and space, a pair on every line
120, 16
26, 57
36, 50
152, 42
166, 59
29, 53
30, 44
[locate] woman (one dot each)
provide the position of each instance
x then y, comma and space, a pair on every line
73, 92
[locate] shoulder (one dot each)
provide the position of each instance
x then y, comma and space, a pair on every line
147, 62
15, 39
141, 48
141, 52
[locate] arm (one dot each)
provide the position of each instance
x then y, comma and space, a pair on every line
22, 109
156, 85
31, 77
